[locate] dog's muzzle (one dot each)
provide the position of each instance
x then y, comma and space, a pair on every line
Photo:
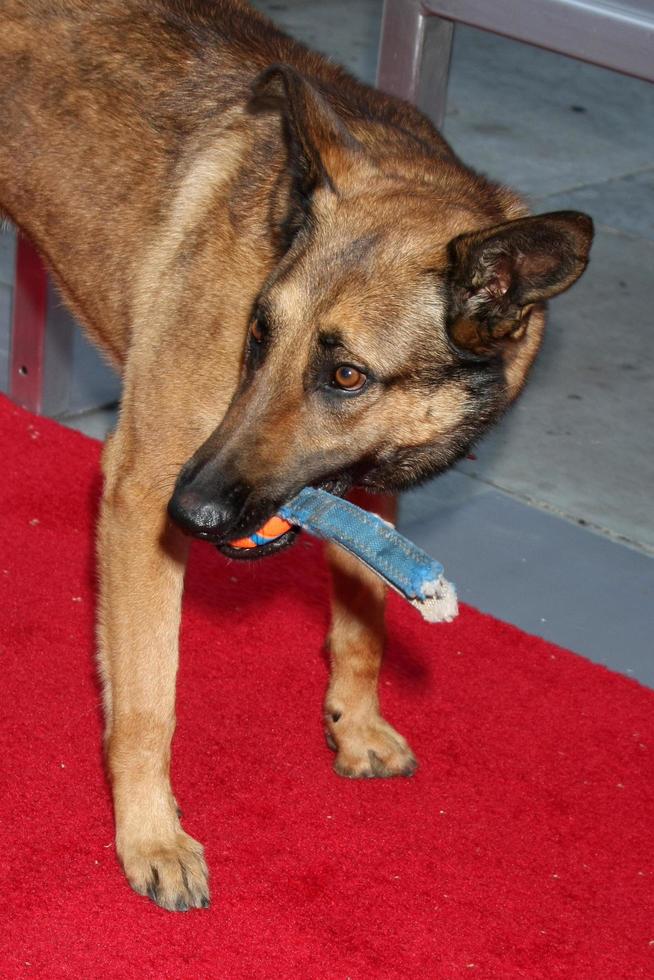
217, 512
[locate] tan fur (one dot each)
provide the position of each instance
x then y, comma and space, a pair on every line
166, 181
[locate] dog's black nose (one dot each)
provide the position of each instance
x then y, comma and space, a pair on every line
194, 513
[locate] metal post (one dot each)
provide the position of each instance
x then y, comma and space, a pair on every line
42, 334
414, 56
27, 358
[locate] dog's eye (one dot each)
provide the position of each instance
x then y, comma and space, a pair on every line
258, 330
348, 378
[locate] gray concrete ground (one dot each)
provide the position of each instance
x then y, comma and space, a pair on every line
531, 528
547, 575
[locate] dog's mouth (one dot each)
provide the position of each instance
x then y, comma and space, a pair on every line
263, 531
258, 549
256, 545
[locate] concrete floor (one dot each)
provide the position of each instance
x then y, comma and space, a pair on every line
551, 526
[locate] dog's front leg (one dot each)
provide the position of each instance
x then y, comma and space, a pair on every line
365, 744
142, 559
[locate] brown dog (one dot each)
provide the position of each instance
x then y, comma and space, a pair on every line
300, 284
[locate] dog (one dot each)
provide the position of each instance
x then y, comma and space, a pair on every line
300, 284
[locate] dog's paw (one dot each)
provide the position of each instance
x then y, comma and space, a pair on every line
369, 749
173, 873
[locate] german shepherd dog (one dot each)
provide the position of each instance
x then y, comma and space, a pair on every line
300, 284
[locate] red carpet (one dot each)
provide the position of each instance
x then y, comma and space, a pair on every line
522, 848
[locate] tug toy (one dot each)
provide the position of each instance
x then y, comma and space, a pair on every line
399, 562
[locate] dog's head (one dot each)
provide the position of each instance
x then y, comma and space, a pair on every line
400, 322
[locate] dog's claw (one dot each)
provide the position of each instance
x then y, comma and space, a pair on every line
331, 741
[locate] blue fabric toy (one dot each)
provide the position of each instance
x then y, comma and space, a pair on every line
399, 562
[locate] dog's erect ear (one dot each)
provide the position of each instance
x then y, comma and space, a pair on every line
318, 140
497, 275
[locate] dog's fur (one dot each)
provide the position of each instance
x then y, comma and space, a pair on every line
189, 172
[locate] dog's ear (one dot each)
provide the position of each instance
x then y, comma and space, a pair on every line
319, 143
498, 274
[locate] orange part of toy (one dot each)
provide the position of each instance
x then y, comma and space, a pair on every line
274, 528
